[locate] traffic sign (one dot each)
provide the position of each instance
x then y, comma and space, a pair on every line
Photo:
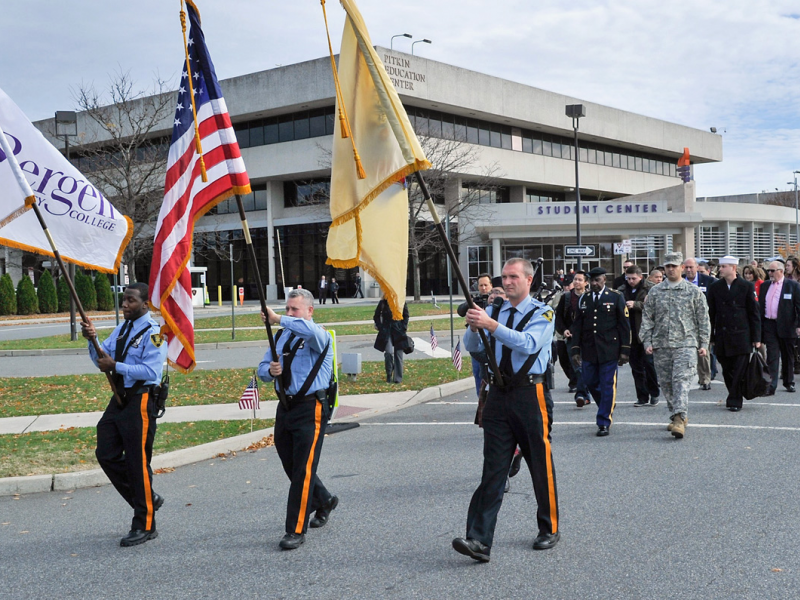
583, 251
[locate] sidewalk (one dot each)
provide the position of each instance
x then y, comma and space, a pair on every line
350, 409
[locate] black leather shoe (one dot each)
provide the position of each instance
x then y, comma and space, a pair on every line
138, 536
292, 541
323, 513
705, 386
602, 431
734, 408
515, 464
771, 392
581, 401
472, 548
642, 403
158, 501
790, 388
508, 486
545, 541
572, 389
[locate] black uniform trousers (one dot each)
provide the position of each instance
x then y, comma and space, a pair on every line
733, 369
644, 373
124, 449
779, 351
524, 417
299, 432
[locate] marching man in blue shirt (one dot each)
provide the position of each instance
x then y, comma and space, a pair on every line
134, 353
518, 412
303, 371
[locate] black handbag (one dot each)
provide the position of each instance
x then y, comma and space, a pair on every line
409, 345
756, 380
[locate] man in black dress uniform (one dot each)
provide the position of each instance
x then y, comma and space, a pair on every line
603, 335
735, 326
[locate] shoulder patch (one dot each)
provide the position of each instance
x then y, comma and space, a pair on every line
548, 314
157, 339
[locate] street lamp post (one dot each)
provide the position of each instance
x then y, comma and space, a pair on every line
405, 35
796, 210
575, 112
426, 41
67, 126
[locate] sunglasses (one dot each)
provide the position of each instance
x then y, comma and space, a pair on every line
772, 270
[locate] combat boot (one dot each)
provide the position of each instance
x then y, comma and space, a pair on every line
678, 426
671, 423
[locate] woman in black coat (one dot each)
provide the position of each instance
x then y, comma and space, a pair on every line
392, 339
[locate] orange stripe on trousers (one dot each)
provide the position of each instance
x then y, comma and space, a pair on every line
301, 516
148, 492
551, 487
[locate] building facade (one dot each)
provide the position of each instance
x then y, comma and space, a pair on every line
284, 119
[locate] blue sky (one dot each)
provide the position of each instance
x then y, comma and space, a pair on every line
730, 64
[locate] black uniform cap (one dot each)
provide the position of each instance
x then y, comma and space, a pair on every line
597, 271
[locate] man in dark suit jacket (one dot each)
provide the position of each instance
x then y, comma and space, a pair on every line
735, 326
603, 335
780, 324
706, 365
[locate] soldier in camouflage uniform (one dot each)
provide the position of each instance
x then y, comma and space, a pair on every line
675, 329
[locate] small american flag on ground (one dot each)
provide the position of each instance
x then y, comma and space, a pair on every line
457, 356
434, 341
249, 399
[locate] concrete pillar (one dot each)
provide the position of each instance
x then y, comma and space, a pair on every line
516, 193
749, 228
726, 230
497, 257
272, 264
13, 259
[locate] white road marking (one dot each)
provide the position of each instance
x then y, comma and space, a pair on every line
589, 423
425, 347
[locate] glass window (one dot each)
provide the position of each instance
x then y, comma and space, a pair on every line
557, 150
435, 125
584, 155
242, 135
638, 163
316, 123
615, 160
547, 148
472, 131
537, 146
592, 155
505, 140
527, 144
568, 151
484, 135
271, 131
495, 137
330, 121
256, 134
301, 126
286, 128
673, 170
422, 122
448, 128
248, 202
461, 129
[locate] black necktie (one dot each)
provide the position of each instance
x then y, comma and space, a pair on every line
122, 339
505, 360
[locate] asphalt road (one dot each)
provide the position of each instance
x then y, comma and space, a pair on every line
643, 515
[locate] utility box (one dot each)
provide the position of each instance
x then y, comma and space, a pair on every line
351, 365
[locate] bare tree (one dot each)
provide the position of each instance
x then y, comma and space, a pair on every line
125, 152
785, 198
452, 162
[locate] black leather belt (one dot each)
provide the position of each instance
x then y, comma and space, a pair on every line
298, 399
529, 381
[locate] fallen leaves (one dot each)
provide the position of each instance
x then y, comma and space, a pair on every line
163, 470
265, 442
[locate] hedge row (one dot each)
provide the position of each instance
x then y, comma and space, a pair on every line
94, 293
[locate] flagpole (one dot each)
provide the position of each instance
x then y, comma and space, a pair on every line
74, 295
261, 298
454, 262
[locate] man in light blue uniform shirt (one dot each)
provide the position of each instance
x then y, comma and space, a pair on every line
134, 354
302, 347
518, 412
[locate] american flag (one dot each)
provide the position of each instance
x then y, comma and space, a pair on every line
187, 197
457, 356
434, 341
249, 399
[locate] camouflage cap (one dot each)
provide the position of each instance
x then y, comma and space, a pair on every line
673, 258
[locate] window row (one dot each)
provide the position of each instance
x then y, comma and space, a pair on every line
285, 128
256, 200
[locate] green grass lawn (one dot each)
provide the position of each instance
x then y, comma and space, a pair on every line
45, 452
21, 396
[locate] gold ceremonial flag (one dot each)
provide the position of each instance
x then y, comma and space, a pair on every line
374, 149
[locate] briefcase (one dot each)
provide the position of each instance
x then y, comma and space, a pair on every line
756, 380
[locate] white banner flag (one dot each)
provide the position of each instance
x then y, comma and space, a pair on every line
86, 228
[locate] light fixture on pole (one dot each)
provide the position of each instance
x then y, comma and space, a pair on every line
419, 42
405, 35
67, 126
575, 112
796, 210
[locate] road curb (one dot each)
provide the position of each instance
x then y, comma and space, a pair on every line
31, 484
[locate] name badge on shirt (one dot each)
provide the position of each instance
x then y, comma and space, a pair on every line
787, 296
702, 288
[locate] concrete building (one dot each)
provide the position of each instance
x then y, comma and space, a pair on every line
629, 186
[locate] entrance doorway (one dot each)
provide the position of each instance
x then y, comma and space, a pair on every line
587, 263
